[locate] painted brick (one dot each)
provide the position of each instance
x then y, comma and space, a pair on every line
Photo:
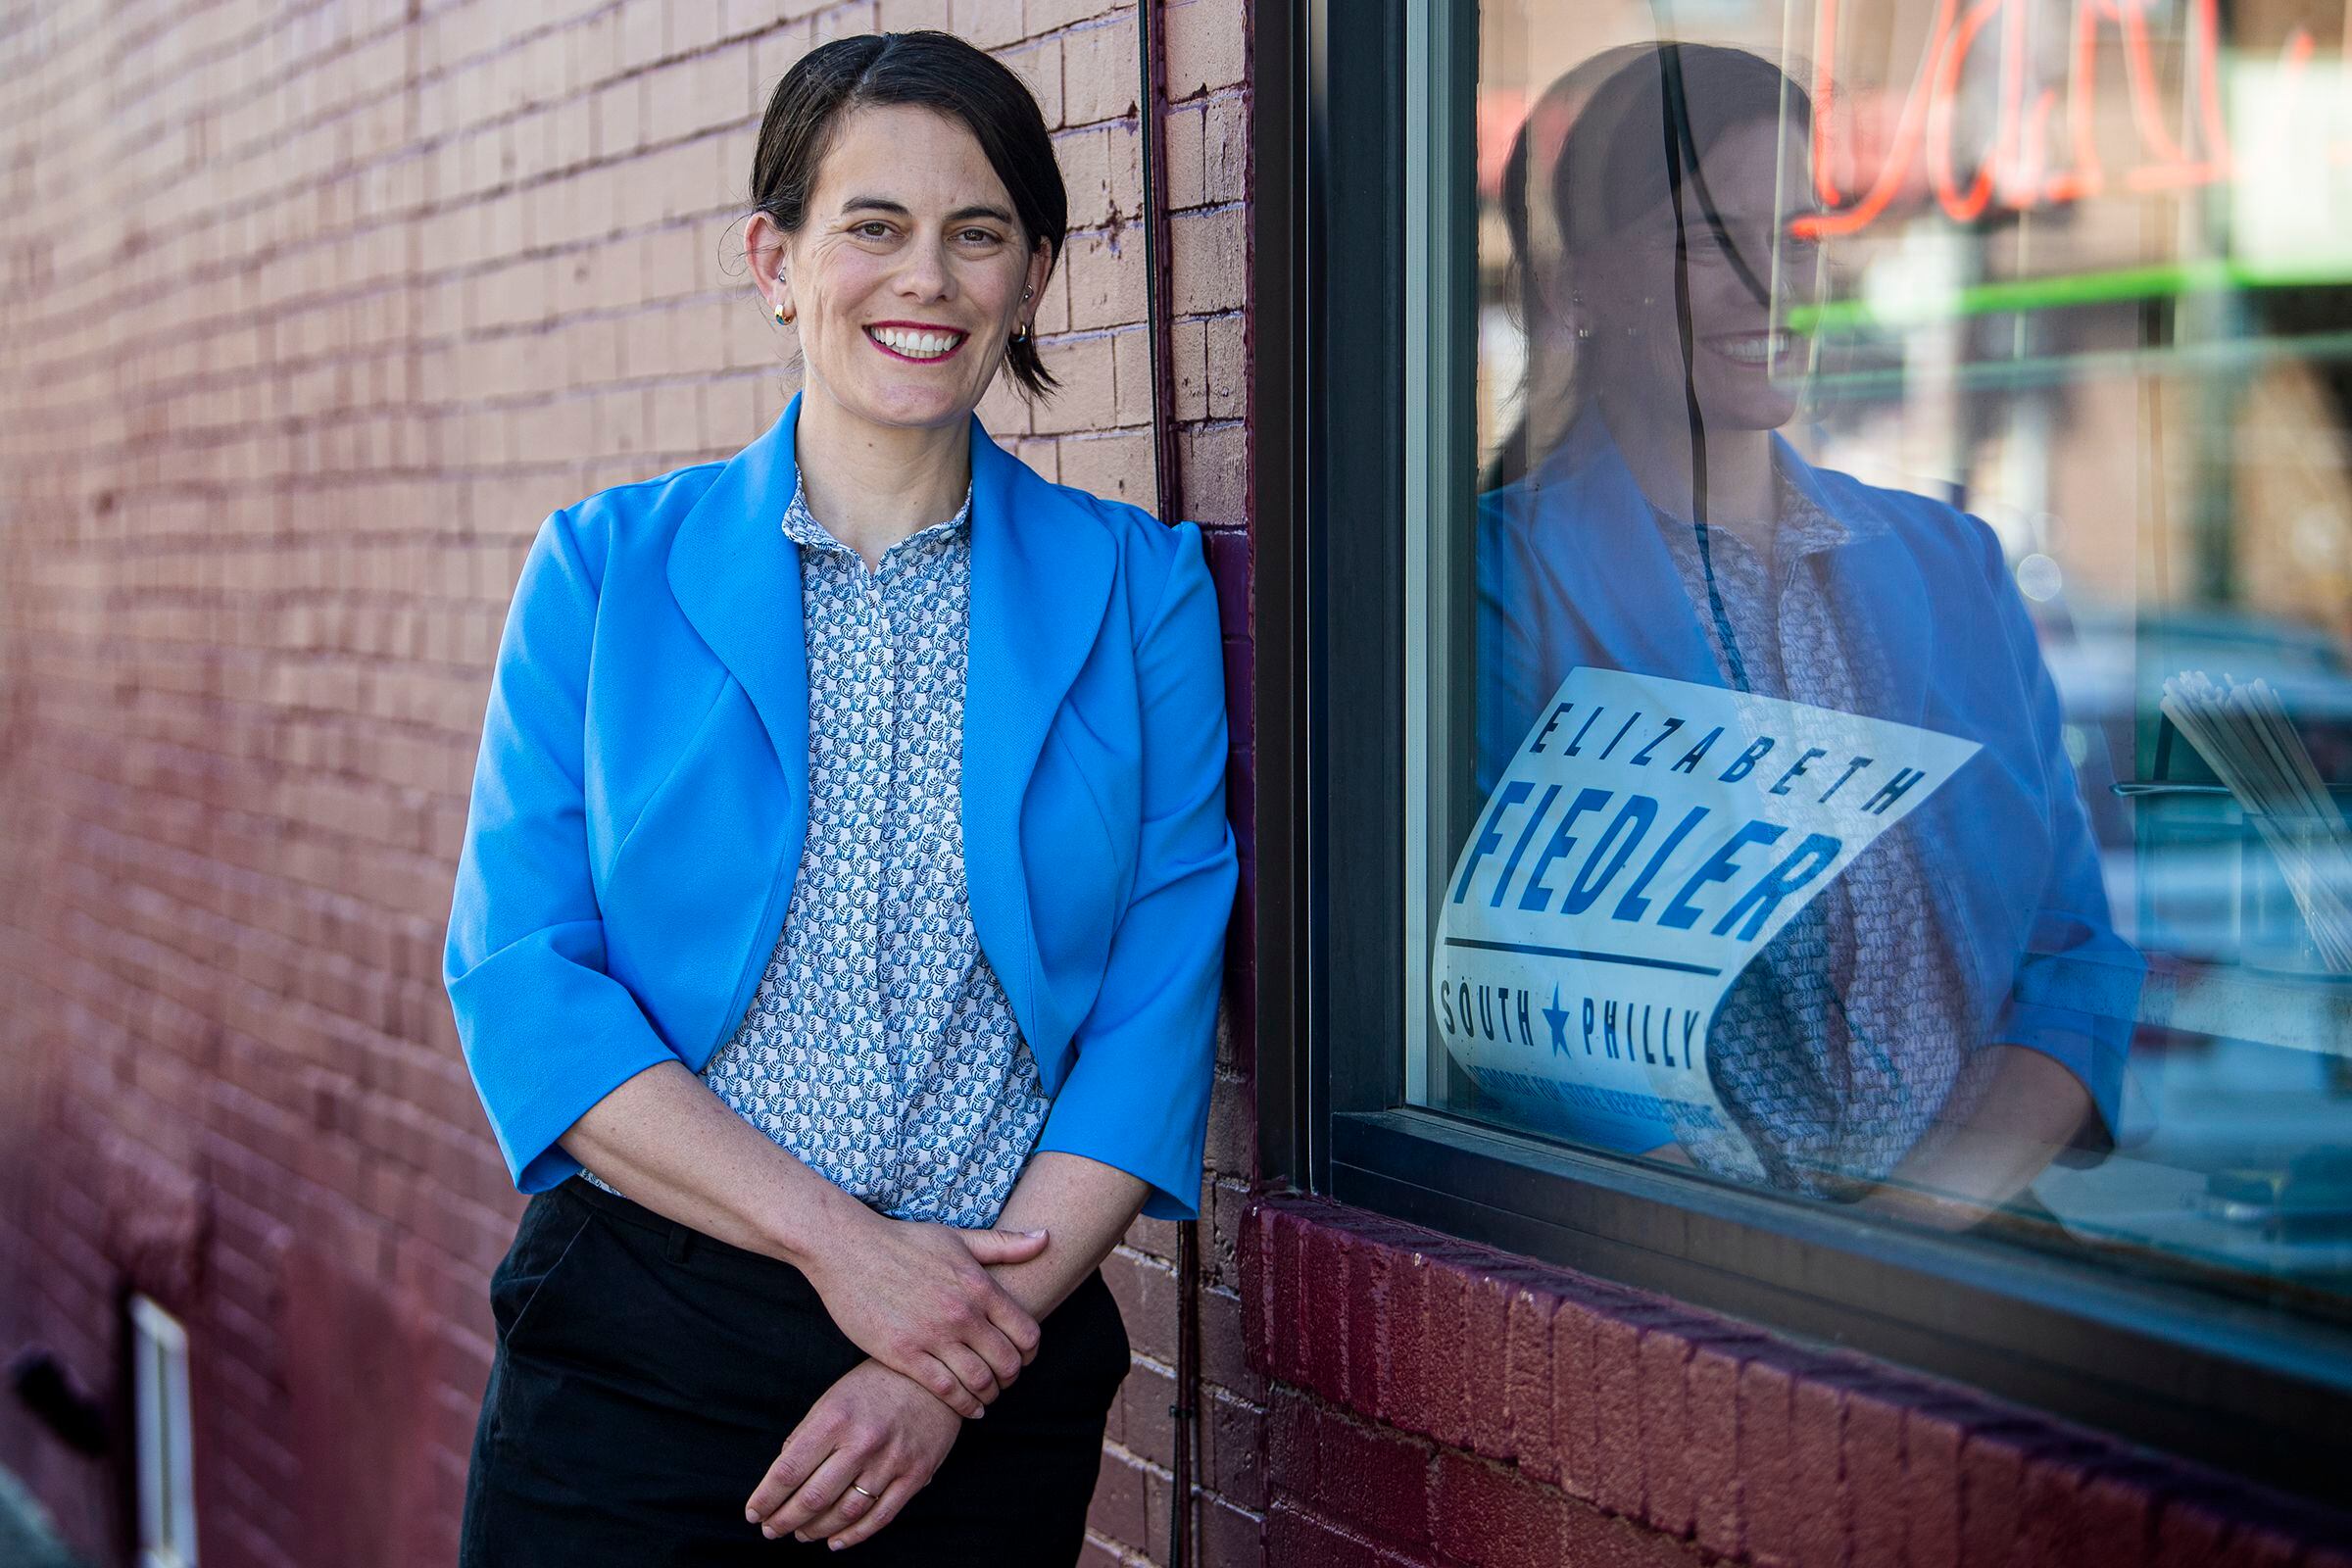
1486, 1346
1617, 1389
308, 697
1403, 1377
1039, 65
1711, 1456
1208, 257
1118, 1509
1327, 1304
1932, 1438
1296, 1536
1290, 1320
2190, 1531
1575, 1396
1527, 1385
1774, 1509
1871, 1449
2051, 1528
1992, 1465
1817, 1423
1446, 1350
1231, 1449
2118, 1504
1107, 280
1259, 1287
1294, 1444
1371, 1323
1100, 72
1216, 473
1230, 1535
1595, 1540
1670, 1489
1376, 1480
1488, 1514
1208, 46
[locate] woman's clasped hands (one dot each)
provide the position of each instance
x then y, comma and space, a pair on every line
946, 1340
872, 1442
918, 1298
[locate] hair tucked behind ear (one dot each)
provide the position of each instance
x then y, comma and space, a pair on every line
933, 71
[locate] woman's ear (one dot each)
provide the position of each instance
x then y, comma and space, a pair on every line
763, 251
1561, 302
1041, 268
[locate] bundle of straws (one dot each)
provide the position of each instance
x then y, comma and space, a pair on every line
2244, 735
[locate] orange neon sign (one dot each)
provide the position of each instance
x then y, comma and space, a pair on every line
2017, 169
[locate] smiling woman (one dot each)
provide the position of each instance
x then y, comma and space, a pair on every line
884, 1056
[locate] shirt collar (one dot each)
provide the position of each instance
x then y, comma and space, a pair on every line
801, 528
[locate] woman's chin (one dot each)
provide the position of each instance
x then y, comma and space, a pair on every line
1764, 407
909, 408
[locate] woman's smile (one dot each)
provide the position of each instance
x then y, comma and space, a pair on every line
1752, 348
915, 342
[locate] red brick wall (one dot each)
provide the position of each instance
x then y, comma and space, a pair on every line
1438, 1404
313, 311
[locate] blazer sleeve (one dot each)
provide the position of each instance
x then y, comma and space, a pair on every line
1137, 1097
547, 1033
2077, 989
1511, 662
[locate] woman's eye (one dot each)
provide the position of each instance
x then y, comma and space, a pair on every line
979, 236
872, 228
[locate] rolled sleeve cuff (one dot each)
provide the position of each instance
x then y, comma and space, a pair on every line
1126, 1121
2079, 1043
545, 1041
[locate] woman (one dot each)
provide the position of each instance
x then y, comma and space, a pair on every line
847, 876
1941, 1019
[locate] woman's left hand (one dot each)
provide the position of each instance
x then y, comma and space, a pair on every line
876, 1428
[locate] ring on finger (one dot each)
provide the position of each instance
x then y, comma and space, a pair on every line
870, 1496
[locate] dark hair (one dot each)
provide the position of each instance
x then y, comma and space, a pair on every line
1652, 102
935, 70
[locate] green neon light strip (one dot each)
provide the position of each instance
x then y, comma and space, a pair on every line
2078, 288
2060, 369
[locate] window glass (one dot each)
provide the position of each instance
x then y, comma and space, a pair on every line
1883, 702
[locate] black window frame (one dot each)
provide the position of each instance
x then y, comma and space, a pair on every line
2203, 1377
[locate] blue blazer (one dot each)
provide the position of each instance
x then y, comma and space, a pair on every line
642, 795
1572, 571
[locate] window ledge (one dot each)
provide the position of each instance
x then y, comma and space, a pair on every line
1601, 1399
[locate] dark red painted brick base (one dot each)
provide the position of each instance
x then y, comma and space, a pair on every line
1434, 1402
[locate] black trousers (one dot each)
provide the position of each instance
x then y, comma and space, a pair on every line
645, 1375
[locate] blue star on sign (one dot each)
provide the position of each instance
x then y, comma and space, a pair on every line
1557, 1017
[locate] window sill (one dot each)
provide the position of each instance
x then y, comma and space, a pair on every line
1607, 1401
2233, 1384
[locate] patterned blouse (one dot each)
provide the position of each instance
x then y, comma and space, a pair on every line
879, 1047
1838, 1046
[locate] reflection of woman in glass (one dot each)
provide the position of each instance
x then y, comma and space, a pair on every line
1931, 1015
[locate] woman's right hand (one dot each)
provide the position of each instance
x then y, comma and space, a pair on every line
918, 1298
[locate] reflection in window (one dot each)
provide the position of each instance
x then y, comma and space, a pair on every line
1870, 423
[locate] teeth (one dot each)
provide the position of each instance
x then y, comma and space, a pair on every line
1752, 349
915, 345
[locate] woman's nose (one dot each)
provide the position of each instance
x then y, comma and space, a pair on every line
926, 274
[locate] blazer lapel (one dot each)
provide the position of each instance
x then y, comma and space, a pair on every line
1610, 562
1042, 573
738, 579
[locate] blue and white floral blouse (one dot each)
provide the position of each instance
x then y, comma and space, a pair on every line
880, 1047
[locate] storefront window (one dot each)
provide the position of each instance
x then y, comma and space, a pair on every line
1878, 610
